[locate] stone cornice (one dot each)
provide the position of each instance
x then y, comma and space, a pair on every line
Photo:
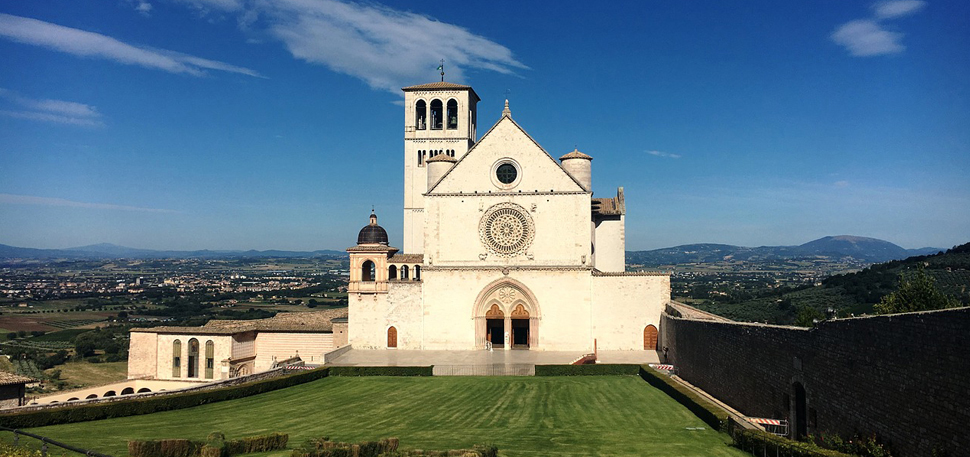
505, 194
509, 268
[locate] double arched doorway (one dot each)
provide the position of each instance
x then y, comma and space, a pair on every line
506, 317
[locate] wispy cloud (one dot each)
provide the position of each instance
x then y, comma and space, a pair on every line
869, 37
385, 47
47, 201
93, 45
892, 9
841, 184
664, 154
142, 6
50, 110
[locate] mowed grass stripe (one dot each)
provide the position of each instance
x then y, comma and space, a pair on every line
527, 416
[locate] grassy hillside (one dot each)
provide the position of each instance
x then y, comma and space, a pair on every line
527, 416
853, 293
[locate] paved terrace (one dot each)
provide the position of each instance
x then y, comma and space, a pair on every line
482, 363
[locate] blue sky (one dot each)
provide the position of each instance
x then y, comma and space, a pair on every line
257, 124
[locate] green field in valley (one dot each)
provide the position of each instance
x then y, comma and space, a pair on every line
523, 416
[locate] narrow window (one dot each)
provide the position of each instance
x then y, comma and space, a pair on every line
404, 272
417, 272
210, 362
193, 371
452, 114
176, 359
420, 115
436, 115
420, 158
367, 271
392, 272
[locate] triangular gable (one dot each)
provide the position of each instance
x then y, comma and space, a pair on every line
506, 139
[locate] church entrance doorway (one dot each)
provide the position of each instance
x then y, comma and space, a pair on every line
520, 328
506, 316
495, 326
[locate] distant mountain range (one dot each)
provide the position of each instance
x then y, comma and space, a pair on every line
112, 251
857, 247
867, 249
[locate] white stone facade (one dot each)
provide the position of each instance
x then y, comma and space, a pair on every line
514, 253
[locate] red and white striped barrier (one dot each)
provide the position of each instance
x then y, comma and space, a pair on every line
662, 366
763, 421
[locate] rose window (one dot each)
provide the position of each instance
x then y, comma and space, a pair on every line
507, 229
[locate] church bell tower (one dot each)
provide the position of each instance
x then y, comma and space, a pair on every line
439, 118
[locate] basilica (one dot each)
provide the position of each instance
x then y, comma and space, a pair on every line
504, 247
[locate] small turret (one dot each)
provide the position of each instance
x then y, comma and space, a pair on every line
438, 166
579, 166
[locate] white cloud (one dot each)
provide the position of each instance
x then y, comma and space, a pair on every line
143, 7
867, 38
664, 154
88, 44
47, 201
897, 8
841, 184
51, 110
384, 47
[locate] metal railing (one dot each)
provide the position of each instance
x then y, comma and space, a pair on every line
45, 440
492, 369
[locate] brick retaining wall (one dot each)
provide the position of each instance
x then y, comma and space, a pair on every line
904, 377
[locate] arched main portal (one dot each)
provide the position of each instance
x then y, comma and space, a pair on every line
506, 315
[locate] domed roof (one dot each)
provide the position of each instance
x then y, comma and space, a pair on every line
372, 233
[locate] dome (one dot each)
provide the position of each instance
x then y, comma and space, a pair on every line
372, 233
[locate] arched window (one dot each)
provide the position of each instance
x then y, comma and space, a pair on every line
391, 337
91, 396
128, 391
436, 115
392, 272
417, 272
210, 361
110, 393
176, 359
193, 358
420, 115
144, 390
367, 271
452, 114
404, 272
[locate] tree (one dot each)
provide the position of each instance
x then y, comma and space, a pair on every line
807, 316
917, 292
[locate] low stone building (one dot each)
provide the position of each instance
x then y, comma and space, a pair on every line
13, 389
223, 349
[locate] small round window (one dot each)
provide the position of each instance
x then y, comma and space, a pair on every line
506, 173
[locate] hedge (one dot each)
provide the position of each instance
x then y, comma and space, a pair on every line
388, 447
708, 412
216, 446
137, 406
381, 371
605, 369
323, 447
759, 442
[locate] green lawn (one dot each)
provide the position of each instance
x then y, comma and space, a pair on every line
523, 416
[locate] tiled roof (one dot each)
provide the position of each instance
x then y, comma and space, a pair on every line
437, 85
7, 379
575, 155
307, 321
406, 258
605, 207
441, 158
